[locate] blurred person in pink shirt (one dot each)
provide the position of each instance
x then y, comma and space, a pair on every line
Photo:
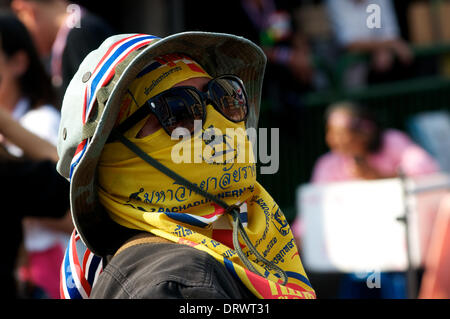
361, 150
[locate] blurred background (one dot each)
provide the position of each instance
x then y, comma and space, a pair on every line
393, 59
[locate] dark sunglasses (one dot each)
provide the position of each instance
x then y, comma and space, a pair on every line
181, 106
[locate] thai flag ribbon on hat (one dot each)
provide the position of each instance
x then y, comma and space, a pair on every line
105, 69
102, 74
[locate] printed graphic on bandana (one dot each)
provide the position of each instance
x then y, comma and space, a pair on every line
280, 222
219, 148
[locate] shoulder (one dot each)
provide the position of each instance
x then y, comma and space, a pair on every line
164, 270
413, 159
395, 140
326, 168
393, 134
327, 161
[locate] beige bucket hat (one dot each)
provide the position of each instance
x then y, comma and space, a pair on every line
92, 100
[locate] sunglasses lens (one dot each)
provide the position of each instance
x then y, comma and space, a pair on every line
183, 108
230, 98
180, 107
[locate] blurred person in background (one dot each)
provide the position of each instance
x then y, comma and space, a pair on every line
360, 149
356, 30
26, 93
34, 179
63, 32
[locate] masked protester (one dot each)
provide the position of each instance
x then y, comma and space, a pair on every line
163, 180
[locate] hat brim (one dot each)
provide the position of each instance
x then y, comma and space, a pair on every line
218, 54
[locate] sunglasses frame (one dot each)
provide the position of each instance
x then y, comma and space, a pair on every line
149, 107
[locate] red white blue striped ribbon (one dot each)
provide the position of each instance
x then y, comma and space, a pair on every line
102, 74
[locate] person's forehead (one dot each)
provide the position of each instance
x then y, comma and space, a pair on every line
198, 82
340, 118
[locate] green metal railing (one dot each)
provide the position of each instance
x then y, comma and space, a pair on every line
336, 74
393, 103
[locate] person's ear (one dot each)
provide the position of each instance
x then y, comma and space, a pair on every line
19, 63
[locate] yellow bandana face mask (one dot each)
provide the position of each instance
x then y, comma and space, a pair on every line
138, 196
